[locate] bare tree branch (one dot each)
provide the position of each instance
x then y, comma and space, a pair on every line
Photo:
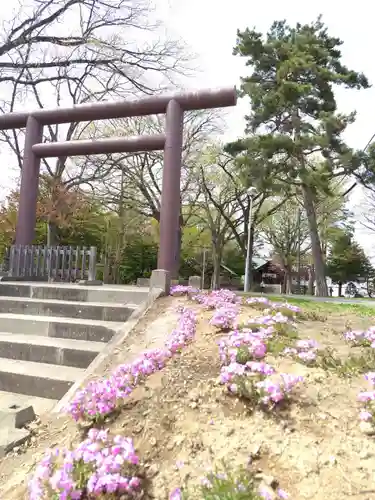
79, 51
366, 214
142, 173
72, 34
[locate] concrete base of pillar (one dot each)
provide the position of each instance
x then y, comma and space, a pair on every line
160, 279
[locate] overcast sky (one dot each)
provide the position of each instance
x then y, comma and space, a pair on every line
209, 29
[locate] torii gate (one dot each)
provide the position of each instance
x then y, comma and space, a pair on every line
171, 141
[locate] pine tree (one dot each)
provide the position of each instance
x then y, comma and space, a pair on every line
294, 116
347, 261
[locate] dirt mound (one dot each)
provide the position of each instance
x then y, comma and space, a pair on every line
184, 422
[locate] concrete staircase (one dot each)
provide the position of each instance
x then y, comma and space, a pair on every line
50, 333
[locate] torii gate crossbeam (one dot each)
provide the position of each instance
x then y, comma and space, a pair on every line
172, 105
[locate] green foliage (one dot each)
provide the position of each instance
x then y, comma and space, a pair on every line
347, 260
85, 230
138, 259
353, 365
195, 239
78, 219
293, 107
233, 258
229, 485
294, 118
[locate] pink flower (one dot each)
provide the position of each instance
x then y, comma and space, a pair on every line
365, 415
370, 377
366, 396
176, 494
282, 494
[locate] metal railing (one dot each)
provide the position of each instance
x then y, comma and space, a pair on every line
56, 263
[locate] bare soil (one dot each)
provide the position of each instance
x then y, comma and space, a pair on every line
184, 423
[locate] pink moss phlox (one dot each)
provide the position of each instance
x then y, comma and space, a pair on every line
304, 350
180, 290
100, 464
106, 464
367, 398
361, 337
101, 397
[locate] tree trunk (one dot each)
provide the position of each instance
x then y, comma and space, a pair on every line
340, 288
216, 259
251, 257
316, 248
288, 279
106, 270
283, 284
51, 234
310, 285
116, 263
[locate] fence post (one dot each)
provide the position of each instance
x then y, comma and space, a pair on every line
6, 262
92, 264
12, 260
24, 261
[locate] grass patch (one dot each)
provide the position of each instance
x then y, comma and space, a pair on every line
317, 310
324, 308
230, 485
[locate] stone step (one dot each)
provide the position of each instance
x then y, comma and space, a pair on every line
55, 351
102, 311
11, 400
60, 327
74, 292
37, 379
